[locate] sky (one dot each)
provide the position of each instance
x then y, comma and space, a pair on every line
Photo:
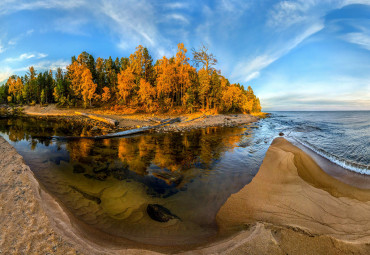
296, 55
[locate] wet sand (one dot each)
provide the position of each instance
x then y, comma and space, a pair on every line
290, 207
297, 208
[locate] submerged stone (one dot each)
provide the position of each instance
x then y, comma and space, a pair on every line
159, 213
78, 169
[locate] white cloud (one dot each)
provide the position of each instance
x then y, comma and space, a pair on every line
178, 17
134, 18
5, 74
26, 56
10, 6
176, 5
252, 76
361, 38
1, 48
51, 64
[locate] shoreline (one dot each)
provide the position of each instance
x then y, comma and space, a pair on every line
291, 206
345, 175
132, 121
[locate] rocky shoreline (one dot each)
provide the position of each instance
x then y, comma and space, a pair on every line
131, 121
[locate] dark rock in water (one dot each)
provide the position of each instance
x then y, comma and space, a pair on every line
170, 178
281, 134
101, 168
78, 169
160, 213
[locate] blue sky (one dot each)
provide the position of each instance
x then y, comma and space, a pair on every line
296, 55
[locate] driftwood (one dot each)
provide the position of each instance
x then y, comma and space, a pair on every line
201, 117
109, 121
156, 120
118, 134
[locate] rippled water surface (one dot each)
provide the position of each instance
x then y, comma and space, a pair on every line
341, 137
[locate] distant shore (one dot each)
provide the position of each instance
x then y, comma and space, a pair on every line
290, 207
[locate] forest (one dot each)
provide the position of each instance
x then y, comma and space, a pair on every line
134, 82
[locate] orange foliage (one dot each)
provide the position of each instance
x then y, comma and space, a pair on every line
126, 84
88, 86
106, 94
146, 93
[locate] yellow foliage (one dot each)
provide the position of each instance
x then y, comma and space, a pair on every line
126, 84
106, 94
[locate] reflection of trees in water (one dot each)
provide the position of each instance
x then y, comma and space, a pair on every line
167, 155
38, 130
170, 152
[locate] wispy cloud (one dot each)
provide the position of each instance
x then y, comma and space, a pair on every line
26, 56
134, 18
250, 69
10, 6
361, 38
15, 40
178, 17
176, 5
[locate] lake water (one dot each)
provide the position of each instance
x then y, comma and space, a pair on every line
116, 185
111, 184
342, 137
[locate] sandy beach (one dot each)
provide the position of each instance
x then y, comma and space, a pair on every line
291, 207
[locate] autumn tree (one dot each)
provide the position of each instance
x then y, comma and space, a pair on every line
146, 94
135, 82
166, 78
88, 86
106, 95
232, 99
183, 71
204, 58
204, 87
126, 84
74, 72
80, 77
142, 65
15, 88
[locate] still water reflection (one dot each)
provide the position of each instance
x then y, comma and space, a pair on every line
152, 188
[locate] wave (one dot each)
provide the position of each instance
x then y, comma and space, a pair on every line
355, 167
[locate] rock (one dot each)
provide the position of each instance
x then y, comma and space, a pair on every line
78, 169
281, 134
170, 178
160, 213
